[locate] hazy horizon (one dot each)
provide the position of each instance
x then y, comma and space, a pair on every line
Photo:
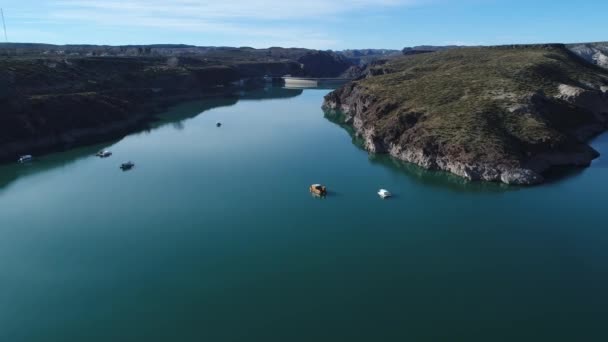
291, 47
316, 24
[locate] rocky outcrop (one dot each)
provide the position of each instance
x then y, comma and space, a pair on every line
360, 109
323, 64
363, 57
353, 72
595, 53
596, 101
386, 127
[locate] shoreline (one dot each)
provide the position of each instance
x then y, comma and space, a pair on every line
139, 117
353, 105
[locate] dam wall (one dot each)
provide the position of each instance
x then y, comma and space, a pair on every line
305, 82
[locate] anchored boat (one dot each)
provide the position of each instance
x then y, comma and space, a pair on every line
127, 166
318, 189
383, 193
104, 154
25, 159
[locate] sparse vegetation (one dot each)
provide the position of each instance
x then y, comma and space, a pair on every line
494, 105
48, 92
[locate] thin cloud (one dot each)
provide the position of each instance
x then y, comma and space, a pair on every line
235, 9
262, 23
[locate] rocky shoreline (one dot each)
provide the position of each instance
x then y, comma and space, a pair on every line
123, 118
358, 105
52, 100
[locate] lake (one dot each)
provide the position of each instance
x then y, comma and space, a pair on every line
213, 236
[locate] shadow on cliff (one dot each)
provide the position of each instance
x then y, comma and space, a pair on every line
560, 174
175, 115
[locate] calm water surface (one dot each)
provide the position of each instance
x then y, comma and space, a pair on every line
214, 237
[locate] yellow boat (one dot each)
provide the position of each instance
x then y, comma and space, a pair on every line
318, 189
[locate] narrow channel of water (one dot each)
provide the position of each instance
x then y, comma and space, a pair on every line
214, 236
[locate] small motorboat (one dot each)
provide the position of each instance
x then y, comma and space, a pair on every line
25, 159
383, 193
127, 166
219, 124
104, 154
318, 190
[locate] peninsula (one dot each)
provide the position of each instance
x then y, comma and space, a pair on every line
505, 114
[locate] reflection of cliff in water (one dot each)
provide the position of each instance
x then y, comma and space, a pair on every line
11, 172
269, 93
176, 115
179, 114
322, 87
441, 179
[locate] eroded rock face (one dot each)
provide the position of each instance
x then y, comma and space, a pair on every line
324, 64
595, 101
596, 53
361, 110
601, 59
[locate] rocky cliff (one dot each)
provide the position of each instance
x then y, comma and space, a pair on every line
53, 103
59, 96
363, 57
595, 53
504, 114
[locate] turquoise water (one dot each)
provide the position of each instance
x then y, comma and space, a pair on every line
214, 237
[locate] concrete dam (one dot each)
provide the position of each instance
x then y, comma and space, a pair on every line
310, 82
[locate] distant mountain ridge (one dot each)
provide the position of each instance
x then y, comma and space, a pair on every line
362, 57
416, 50
594, 53
314, 63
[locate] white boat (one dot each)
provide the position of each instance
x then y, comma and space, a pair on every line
25, 159
104, 154
384, 193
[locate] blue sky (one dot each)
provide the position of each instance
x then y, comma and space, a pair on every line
320, 24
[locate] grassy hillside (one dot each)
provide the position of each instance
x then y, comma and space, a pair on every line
477, 105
